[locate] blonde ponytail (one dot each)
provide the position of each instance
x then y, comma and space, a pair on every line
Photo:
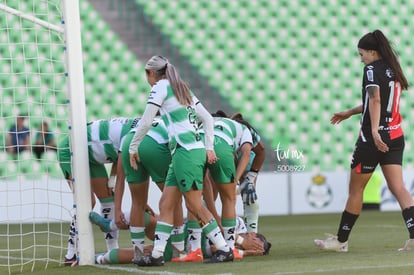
162, 67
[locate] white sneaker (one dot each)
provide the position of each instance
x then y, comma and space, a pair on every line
332, 243
409, 245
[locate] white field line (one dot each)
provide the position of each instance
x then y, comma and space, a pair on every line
140, 271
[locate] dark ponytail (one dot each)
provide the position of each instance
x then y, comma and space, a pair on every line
377, 41
240, 119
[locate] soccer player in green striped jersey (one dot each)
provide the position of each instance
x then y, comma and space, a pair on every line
247, 185
230, 139
180, 111
104, 139
155, 159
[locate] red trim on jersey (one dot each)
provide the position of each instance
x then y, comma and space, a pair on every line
358, 168
396, 133
395, 124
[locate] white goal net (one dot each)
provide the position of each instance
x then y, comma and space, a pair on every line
36, 203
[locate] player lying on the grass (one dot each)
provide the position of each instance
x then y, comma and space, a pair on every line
252, 244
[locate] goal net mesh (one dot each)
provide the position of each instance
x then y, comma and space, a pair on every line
35, 200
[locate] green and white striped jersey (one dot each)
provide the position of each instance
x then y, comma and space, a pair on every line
256, 137
234, 133
158, 131
181, 121
104, 137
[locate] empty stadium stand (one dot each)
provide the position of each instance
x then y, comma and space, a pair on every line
286, 65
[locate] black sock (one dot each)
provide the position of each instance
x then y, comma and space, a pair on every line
347, 222
408, 215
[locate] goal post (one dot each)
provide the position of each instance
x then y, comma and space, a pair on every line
41, 80
78, 136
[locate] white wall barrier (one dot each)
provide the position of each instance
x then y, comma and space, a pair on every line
27, 200
279, 194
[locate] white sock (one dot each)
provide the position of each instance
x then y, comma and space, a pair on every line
111, 238
137, 234
177, 237
103, 259
207, 247
162, 234
194, 235
213, 232
251, 215
194, 238
72, 239
229, 236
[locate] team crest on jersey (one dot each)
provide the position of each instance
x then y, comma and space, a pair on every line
389, 73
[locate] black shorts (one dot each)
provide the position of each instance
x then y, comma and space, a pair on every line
366, 156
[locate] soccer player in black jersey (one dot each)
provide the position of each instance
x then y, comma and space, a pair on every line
381, 139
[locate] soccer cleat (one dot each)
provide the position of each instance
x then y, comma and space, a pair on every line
195, 256
221, 256
236, 254
104, 224
71, 262
332, 243
149, 261
137, 254
409, 245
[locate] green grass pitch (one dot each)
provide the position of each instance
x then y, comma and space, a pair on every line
372, 250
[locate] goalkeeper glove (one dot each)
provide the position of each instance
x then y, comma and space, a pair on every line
249, 177
247, 189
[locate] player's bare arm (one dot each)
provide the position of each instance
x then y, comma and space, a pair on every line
374, 107
338, 117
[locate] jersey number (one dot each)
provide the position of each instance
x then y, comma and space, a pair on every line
192, 117
395, 91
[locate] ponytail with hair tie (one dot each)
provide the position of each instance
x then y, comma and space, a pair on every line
377, 41
369, 42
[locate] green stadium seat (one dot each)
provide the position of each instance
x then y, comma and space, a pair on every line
50, 164
3, 161
11, 170
282, 61
31, 169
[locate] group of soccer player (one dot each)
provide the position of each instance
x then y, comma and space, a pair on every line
190, 155
196, 158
